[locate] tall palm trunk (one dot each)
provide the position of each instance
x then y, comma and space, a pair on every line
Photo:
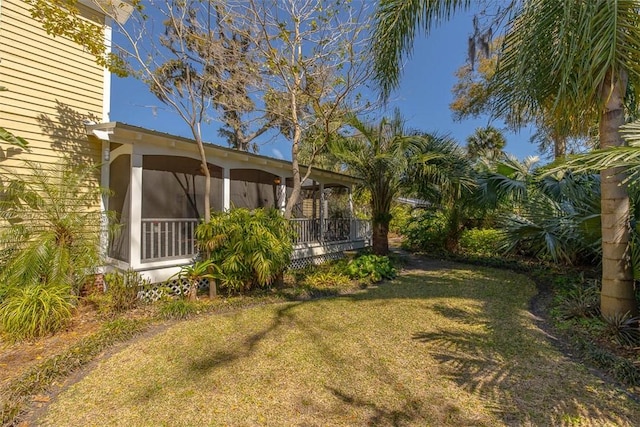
617, 278
380, 237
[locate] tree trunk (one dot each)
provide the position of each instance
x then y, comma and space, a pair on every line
380, 237
213, 288
559, 147
207, 175
617, 297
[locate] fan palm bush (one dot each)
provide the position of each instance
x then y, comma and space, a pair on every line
553, 216
51, 226
249, 248
49, 239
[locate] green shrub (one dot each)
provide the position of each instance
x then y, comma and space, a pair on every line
482, 242
326, 280
427, 232
400, 218
121, 292
371, 268
34, 311
249, 248
178, 308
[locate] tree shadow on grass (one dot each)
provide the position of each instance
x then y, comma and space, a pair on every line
220, 358
487, 344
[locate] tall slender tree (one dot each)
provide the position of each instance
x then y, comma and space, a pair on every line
573, 58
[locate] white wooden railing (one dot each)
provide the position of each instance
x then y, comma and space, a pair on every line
332, 230
164, 238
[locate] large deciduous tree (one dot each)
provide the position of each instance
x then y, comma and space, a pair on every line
574, 59
200, 66
314, 56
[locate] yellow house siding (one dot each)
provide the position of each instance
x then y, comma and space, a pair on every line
53, 86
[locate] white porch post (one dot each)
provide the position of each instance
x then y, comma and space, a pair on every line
104, 200
352, 219
226, 189
135, 224
282, 194
321, 185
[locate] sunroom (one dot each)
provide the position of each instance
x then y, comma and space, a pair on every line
157, 189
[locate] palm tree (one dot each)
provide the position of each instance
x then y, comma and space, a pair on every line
576, 58
376, 153
391, 160
487, 142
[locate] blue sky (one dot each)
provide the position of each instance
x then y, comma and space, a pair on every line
423, 97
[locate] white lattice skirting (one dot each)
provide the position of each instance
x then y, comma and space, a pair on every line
156, 291
315, 260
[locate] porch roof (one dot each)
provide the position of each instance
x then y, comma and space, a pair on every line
122, 133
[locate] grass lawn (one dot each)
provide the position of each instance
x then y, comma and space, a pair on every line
437, 346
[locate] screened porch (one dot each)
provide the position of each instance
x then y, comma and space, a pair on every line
157, 195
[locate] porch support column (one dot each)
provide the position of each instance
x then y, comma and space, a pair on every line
352, 219
226, 189
281, 194
135, 225
322, 213
104, 200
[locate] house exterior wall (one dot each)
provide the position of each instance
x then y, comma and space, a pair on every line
53, 87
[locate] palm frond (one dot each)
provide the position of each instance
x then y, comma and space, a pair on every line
396, 24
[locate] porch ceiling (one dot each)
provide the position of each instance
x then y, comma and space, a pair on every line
121, 133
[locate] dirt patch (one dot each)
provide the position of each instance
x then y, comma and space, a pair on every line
16, 359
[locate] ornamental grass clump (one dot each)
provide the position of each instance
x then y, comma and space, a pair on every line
249, 249
34, 311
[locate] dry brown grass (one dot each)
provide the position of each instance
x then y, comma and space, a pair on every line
452, 346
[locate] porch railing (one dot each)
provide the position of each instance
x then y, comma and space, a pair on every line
164, 238
332, 230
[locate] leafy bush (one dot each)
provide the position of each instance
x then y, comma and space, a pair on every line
426, 233
34, 311
121, 292
400, 218
249, 248
371, 268
483, 242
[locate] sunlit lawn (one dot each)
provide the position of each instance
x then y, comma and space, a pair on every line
452, 346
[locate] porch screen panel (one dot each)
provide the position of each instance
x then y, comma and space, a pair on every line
337, 201
173, 187
119, 203
308, 205
252, 188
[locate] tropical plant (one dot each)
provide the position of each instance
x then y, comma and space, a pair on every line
547, 216
50, 232
192, 274
572, 59
487, 142
371, 268
391, 160
483, 242
35, 310
247, 248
